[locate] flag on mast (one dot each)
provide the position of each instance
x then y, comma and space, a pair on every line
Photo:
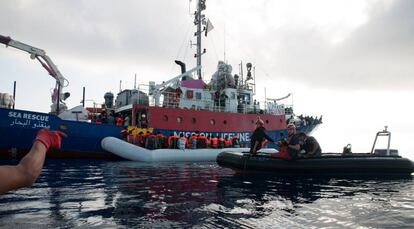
209, 27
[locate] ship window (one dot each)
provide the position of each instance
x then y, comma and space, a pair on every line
198, 95
252, 122
212, 121
267, 121
179, 119
193, 120
165, 118
225, 122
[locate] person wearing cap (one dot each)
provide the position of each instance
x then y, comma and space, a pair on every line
258, 136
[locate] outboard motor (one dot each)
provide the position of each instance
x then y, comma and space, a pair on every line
109, 99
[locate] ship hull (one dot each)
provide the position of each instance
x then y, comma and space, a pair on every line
18, 128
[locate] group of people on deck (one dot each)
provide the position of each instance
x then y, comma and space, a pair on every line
297, 144
157, 140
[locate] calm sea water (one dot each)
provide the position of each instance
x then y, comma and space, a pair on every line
108, 194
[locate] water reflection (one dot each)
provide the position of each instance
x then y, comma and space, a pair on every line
164, 193
202, 195
268, 200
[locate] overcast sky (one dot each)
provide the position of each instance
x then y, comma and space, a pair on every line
350, 61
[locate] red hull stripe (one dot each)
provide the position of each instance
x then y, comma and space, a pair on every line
185, 119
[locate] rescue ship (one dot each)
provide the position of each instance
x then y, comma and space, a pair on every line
224, 107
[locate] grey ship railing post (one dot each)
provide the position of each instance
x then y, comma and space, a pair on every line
14, 94
385, 132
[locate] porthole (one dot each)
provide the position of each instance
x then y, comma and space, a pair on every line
165, 118
212, 121
267, 121
225, 122
193, 120
179, 119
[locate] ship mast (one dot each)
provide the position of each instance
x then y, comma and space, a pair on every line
198, 21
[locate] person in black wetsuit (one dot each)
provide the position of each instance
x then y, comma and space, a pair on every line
310, 145
258, 137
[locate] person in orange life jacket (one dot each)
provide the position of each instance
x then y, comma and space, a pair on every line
26, 172
145, 138
221, 143
235, 141
193, 141
182, 141
138, 139
208, 141
164, 142
172, 141
214, 142
291, 146
227, 142
150, 143
258, 137
119, 120
160, 140
131, 137
201, 142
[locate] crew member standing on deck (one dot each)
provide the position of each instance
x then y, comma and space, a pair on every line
258, 137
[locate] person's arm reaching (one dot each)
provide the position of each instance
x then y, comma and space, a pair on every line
26, 172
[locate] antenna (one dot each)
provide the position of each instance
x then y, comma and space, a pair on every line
120, 83
224, 43
135, 81
241, 72
254, 79
198, 21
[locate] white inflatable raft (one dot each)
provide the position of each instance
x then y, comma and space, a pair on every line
136, 153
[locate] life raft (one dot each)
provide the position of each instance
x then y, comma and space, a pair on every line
136, 153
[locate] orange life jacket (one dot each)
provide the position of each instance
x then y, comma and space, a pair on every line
119, 121
221, 143
202, 141
214, 142
131, 138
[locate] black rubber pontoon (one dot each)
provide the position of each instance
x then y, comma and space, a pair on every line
327, 164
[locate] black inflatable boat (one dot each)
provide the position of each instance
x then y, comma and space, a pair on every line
327, 164
377, 162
